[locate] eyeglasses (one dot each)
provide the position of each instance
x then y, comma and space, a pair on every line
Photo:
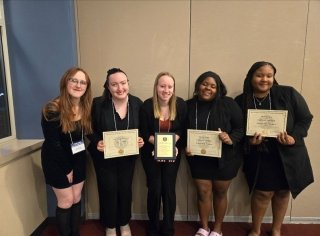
75, 81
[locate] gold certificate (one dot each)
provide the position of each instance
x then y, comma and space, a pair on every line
269, 123
165, 146
120, 143
204, 143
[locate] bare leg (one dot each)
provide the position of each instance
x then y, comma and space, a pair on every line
76, 190
259, 204
279, 202
63, 210
220, 203
204, 192
64, 197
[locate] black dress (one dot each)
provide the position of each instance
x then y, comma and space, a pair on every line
226, 115
266, 161
56, 156
272, 166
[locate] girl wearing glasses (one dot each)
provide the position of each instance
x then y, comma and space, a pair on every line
65, 122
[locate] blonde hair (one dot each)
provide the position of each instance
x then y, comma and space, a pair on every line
172, 101
63, 104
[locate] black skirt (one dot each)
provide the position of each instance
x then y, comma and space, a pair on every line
208, 168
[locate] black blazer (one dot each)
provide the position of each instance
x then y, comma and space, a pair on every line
149, 125
103, 120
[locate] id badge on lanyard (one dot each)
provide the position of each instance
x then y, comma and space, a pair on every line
77, 147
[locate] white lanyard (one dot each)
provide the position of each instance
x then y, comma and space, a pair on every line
114, 117
197, 117
77, 146
81, 135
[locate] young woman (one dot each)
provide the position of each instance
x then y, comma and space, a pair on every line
211, 109
274, 167
164, 112
115, 110
65, 122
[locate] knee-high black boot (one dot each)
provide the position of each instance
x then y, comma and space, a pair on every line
63, 221
75, 219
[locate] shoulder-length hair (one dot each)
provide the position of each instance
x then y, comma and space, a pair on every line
63, 104
221, 88
172, 101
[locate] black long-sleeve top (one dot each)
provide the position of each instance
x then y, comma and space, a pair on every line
224, 114
56, 150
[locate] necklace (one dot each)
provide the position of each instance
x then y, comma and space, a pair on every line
114, 117
260, 101
255, 99
197, 117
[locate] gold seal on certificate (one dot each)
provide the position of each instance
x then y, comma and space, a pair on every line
269, 123
120, 143
165, 146
204, 143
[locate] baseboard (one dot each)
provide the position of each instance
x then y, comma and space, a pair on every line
242, 219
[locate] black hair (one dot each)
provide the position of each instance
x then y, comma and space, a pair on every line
106, 92
247, 97
247, 86
221, 88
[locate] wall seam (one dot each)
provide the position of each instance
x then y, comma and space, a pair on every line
305, 47
190, 7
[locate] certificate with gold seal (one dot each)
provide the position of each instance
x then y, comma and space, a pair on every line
204, 143
165, 146
120, 143
269, 123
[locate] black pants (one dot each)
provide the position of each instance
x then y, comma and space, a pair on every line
114, 178
161, 183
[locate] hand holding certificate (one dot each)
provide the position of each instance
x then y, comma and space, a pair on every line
268, 123
120, 143
204, 143
165, 146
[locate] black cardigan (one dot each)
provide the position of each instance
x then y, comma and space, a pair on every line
295, 157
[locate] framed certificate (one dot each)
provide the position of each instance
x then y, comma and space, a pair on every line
165, 146
269, 123
204, 143
120, 143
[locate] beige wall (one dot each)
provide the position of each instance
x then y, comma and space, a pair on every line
23, 199
190, 37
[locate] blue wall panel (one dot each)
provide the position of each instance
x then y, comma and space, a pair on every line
42, 45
